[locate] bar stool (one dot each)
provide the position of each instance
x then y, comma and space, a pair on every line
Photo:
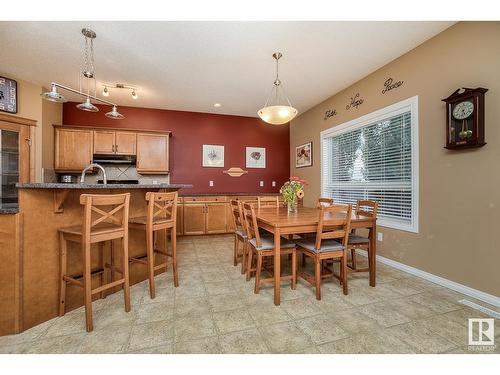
364, 208
161, 215
99, 225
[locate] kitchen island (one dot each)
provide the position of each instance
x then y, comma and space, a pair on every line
31, 286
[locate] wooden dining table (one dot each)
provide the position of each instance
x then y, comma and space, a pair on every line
280, 222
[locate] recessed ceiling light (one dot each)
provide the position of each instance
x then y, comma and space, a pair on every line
217, 105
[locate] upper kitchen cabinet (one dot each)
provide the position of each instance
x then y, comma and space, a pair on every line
110, 142
73, 149
152, 153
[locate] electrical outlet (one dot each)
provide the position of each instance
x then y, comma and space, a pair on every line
211, 183
274, 183
380, 236
155, 182
262, 184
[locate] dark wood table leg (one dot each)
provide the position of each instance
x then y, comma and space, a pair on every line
372, 255
277, 267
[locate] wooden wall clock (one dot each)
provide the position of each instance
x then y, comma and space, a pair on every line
465, 118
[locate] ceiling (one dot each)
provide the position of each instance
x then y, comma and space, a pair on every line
192, 65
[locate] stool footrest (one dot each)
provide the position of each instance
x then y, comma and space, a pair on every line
114, 268
71, 280
107, 286
75, 278
160, 266
139, 260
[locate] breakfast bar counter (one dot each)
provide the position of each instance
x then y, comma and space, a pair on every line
30, 243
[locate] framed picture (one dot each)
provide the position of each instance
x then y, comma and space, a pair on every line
8, 95
256, 157
213, 156
303, 155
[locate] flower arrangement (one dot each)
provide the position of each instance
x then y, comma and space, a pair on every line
292, 190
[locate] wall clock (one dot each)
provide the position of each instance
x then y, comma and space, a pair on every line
465, 118
8, 95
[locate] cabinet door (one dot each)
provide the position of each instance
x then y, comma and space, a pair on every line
125, 143
216, 217
73, 149
152, 153
194, 218
104, 142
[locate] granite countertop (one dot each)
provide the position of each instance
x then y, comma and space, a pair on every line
57, 185
9, 208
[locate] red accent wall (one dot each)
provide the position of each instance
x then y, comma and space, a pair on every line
190, 130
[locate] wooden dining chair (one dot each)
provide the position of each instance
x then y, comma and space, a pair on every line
105, 218
325, 202
161, 215
268, 202
263, 247
240, 235
357, 241
330, 244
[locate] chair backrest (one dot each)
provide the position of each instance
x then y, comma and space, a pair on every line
334, 223
161, 206
366, 208
268, 202
102, 208
251, 223
237, 213
325, 202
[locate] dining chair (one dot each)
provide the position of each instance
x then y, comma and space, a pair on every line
105, 218
325, 202
161, 215
356, 241
240, 235
330, 243
263, 247
268, 202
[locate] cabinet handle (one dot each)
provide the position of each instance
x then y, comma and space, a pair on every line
112, 148
116, 148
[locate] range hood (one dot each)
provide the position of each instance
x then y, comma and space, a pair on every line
114, 159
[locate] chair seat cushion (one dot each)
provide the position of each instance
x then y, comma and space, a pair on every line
356, 239
326, 245
267, 243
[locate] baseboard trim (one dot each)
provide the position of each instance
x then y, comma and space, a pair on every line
471, 292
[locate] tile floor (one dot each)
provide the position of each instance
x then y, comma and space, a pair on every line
214, 310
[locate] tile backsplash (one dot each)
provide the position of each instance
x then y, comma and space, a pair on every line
116, 172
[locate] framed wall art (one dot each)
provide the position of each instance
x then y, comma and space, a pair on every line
8, 95
255, 157
303, 155
213, 156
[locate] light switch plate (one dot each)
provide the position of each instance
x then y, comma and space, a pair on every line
380, 236
261, 183
211, 183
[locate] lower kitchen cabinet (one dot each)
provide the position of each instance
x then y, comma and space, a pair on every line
194, 218
216, 218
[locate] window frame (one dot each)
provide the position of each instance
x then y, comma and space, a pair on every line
410, 104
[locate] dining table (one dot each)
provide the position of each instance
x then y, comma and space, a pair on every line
280, 222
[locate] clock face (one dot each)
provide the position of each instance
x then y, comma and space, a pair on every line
463, 110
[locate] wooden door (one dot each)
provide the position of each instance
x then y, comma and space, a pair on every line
125, 143
73, 149
216, 218
194, 218
152, 153
180, 221
104, 142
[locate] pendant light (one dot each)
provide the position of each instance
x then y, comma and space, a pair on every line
86, 75
278, 110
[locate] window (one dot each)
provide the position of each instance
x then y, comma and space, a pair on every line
375, 157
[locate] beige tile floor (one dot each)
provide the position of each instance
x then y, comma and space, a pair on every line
214, 310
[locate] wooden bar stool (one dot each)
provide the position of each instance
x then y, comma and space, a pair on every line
239, 234
356, 241
263, 247
161, 215
105, 218
330, 244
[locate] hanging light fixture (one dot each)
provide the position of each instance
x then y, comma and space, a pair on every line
86, 76
105, 90
278, 110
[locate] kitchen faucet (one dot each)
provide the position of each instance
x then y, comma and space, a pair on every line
90, 166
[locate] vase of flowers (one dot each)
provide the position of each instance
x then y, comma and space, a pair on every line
292, 191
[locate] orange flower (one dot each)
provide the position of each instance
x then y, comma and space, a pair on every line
300, 194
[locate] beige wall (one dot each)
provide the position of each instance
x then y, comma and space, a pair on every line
459, 207
51, 114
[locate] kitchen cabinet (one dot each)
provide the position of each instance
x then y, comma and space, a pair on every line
73, 149
114, 142
194, 218
152, 153
216, 218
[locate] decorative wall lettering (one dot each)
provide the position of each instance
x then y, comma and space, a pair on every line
356, 101
330, 113
389, 84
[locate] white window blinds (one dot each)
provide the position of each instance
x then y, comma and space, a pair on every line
373, 158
